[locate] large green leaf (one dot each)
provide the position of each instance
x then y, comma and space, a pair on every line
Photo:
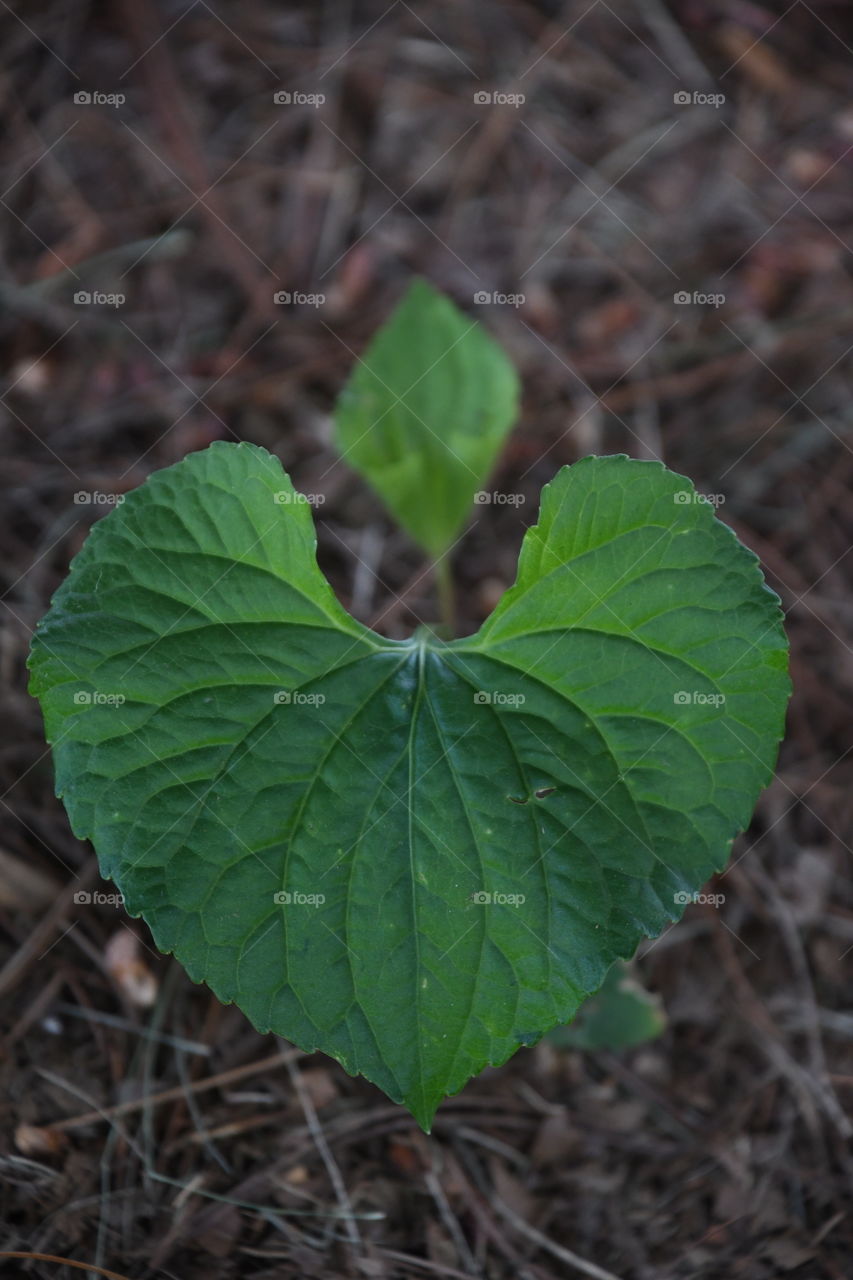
425, 412
412, 855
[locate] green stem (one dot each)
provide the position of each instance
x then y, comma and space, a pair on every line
446, 595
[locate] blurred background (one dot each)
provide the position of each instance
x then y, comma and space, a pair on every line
206, 209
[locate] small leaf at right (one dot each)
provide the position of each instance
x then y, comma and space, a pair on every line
623, 1014
425, 413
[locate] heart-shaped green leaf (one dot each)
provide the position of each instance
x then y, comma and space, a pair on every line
412, 855
425, 412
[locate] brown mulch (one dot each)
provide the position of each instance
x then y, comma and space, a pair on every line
721, 1149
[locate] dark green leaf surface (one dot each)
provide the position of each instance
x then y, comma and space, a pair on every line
414, 856
425, 412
